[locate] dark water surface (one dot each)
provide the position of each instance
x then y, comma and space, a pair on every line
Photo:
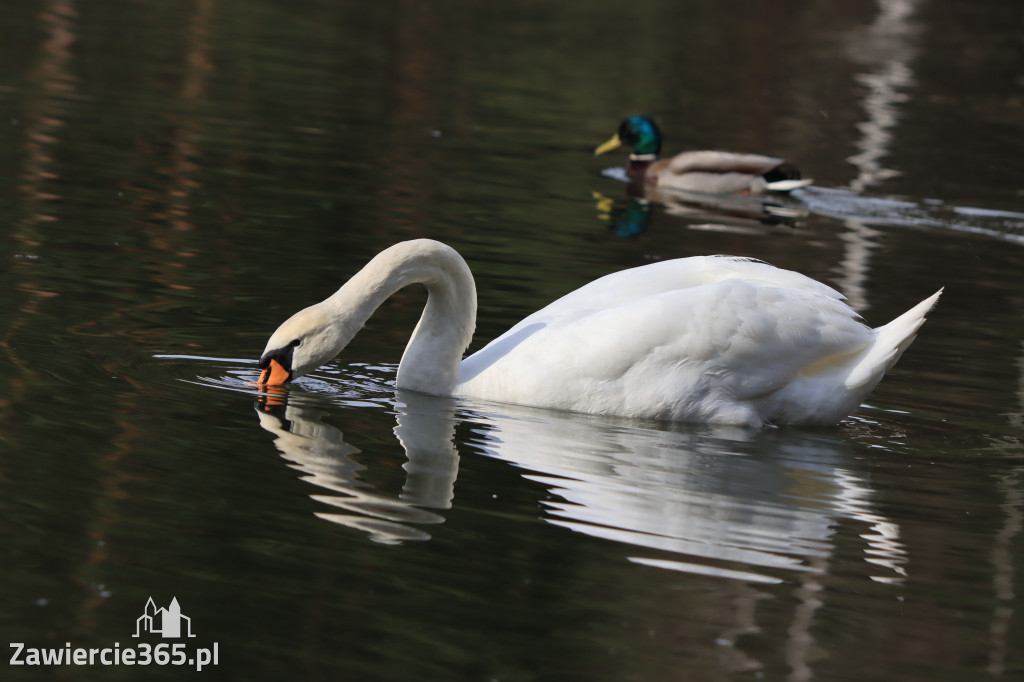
177, 178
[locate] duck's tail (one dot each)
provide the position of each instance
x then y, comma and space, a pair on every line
785, 177
891, 340
787, 185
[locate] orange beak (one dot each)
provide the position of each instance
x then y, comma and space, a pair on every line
274, 373
271, 397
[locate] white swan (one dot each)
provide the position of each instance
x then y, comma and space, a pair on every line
713, 339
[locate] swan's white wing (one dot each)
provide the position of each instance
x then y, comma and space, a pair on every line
626, 286
680, 343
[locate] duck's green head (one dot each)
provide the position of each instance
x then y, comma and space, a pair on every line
639, 132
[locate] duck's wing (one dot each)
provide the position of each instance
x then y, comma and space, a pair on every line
728, 172
722, 162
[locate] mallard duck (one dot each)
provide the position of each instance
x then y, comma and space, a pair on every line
701, 171
713, 339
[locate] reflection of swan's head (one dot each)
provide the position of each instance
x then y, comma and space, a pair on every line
306, 340
325, 459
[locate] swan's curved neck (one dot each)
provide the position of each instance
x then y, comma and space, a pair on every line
430, 363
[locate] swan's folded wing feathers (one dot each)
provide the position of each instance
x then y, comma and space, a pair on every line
806, 335
670, 354
630, 285
705, 339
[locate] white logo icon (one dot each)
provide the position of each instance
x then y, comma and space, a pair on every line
167, 622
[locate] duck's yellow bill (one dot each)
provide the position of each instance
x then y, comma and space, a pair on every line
613, 143
274, 373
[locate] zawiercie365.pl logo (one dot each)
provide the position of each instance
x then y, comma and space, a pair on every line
169, 623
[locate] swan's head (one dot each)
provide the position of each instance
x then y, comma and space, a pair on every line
306, 340
639, 132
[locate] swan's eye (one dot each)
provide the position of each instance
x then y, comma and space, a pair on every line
295, 343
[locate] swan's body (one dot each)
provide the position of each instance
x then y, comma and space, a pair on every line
711, 339
715, 172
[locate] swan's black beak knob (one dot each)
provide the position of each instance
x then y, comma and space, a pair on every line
276, 366
274, 373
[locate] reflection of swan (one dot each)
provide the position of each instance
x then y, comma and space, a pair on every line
320, 452
758, 506
699, 171
713, 339
719, 502
752, 507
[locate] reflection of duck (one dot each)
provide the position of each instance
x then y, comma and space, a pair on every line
711, 339
700, 171
626, 221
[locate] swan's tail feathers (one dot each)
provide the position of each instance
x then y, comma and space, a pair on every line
891, 340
